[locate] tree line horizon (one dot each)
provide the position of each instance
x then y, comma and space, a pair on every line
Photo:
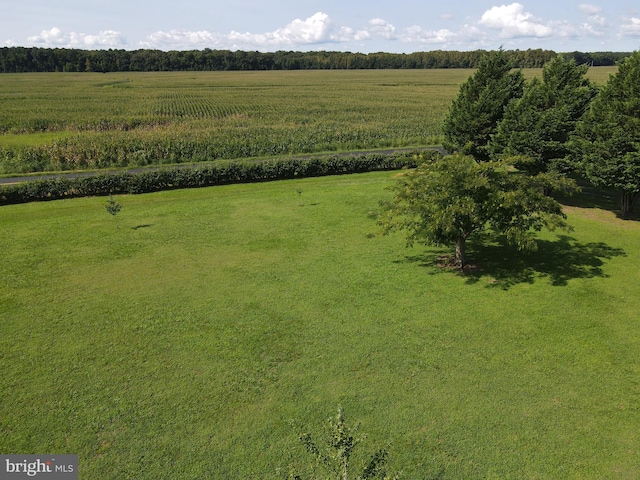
36, 59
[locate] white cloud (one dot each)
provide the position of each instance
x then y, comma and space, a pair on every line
381, 28
315, 29
589, 9
359, 35
562, 29
511, 25
631, 27
180, 39
57, 38
513, 21
594, 18
53, 36
416, 34
107, 38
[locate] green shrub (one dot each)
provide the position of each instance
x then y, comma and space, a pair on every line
195, 176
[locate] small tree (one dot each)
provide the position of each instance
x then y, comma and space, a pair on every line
475, 113
335, 457
607, 140
448, 200
113, 208
538, 125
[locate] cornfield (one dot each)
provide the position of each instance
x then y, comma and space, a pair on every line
122, 119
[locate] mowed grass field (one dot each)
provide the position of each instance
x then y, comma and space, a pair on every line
182, 344
67, 121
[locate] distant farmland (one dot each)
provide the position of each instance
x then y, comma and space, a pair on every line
70, 121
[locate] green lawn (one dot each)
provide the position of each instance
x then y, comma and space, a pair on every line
30, 139
182, 344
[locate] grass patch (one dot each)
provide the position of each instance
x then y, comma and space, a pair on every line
181, 344
15, 140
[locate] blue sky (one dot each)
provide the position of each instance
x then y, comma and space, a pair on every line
307, 25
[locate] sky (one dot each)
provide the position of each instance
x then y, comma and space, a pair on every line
398, 26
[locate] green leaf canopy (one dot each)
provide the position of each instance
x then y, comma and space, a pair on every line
446, 201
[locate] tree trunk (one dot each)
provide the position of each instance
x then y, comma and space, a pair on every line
627, 200
460, 247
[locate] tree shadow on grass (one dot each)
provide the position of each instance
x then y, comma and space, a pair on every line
145, 225
591, 197
596, 197
503, 266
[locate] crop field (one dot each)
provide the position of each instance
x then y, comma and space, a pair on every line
65, 121
185, 342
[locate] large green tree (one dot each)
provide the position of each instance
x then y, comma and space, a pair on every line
448, 200
474, 114
538, 125
607, 140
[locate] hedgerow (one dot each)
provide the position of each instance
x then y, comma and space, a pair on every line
204, 175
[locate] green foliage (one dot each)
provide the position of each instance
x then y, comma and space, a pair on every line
334, 457
446, 201
475, 113
195, 176
21, 59
113, 208
607, 140
538, 125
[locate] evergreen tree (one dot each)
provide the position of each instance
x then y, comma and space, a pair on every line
538, 125
607, 140
113, 208
475, 113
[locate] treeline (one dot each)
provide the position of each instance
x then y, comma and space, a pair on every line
27, 59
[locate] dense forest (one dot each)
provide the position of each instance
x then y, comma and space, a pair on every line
28, 59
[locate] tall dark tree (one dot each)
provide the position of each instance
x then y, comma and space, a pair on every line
607, 140
538, 125
480, 105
